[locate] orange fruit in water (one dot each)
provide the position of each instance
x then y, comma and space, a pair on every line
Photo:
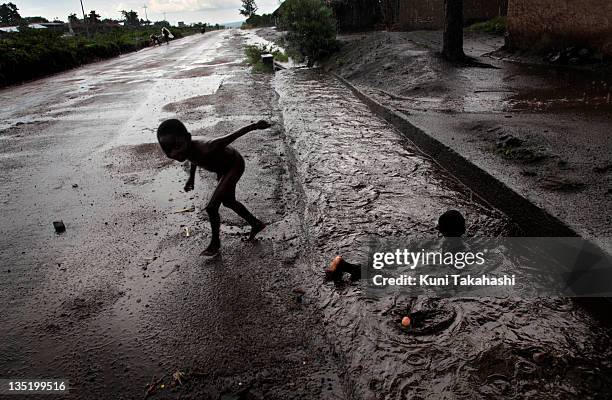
406, 322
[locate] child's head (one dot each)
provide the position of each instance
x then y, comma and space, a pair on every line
451, 224
174, 139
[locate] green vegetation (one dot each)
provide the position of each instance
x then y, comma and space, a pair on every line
9, 14
311, 29
496, 26
253, 54
249, 8
258, 21
33, 53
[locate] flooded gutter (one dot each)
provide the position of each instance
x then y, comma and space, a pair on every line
533, 220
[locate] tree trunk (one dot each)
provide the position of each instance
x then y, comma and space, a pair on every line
453, 30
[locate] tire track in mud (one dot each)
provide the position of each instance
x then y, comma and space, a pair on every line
361, 179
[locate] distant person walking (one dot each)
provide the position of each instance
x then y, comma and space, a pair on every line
167, 35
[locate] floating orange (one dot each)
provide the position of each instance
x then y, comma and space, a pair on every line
406, 322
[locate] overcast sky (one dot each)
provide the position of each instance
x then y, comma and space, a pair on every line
211, 11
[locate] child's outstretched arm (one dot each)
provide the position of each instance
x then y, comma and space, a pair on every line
191, 180
228, 139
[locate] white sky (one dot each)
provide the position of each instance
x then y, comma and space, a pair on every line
188, 11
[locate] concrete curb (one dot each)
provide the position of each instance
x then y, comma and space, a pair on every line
533, 220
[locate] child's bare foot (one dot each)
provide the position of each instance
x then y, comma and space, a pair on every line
212, 249
255, 229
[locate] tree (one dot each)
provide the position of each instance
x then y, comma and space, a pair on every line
35, 20
73, 19
249, 8
130, 18
311, 28
452, 47
93, 18
9, 14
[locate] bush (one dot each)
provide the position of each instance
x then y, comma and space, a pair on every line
311, 29
496, 26
253, 54
258, 21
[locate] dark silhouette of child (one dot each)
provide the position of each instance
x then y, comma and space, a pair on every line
216, 156
451, 224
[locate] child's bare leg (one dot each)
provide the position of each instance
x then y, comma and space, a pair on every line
229, 182
212, 209
239, 208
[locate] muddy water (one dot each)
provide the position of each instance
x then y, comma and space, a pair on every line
360, 179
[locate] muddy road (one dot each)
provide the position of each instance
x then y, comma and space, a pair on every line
123, 299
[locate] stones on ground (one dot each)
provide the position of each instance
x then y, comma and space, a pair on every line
59, 226
573, 56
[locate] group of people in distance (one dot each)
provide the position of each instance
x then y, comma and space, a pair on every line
165, 36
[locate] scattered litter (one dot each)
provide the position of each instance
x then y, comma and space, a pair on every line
59, 226
74, 185
177, 376
152, 387
339, 267
187, 232
185, 210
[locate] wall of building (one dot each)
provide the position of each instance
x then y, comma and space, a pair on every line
429, 14
557, 24
355, 15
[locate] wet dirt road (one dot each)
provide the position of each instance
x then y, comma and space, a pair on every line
123, 299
